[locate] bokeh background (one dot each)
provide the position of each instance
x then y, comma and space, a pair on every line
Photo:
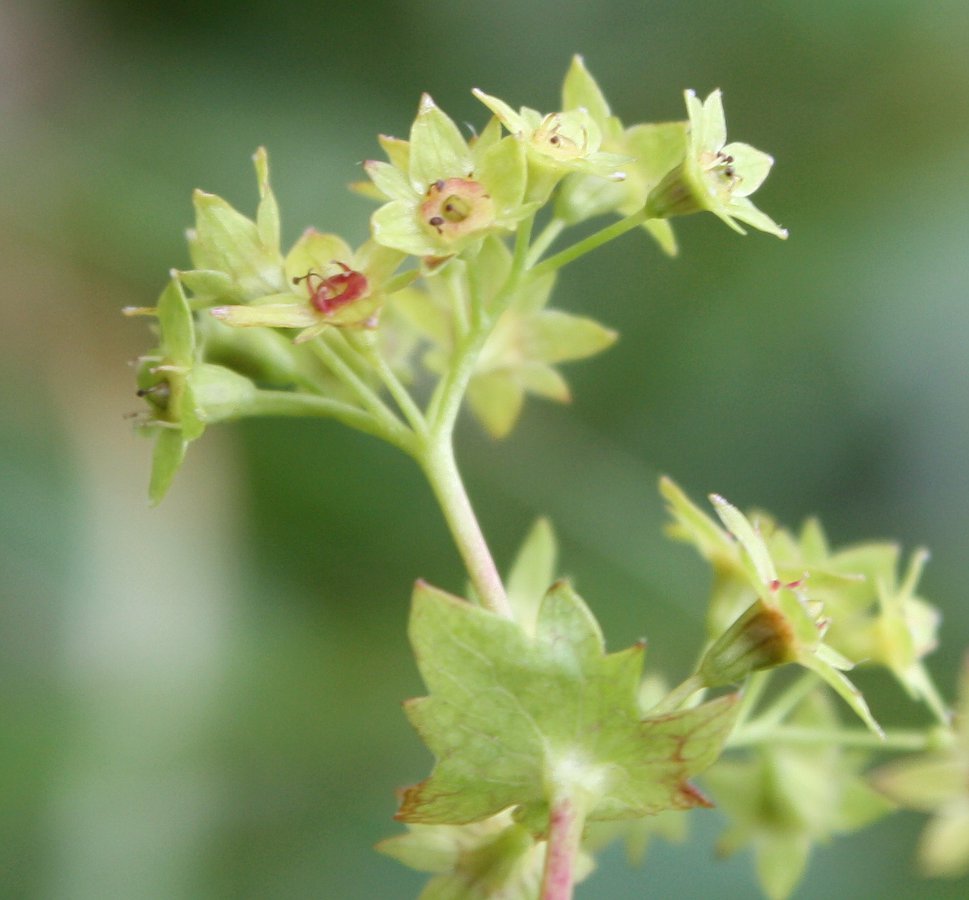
203, 700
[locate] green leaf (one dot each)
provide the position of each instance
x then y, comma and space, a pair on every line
514, 720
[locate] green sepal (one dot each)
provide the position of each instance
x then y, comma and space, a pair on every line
532, 573
167, 458
503, 168
437, 149
580, 90
175, 323
224, 240
496, 399
267, 213
556, 336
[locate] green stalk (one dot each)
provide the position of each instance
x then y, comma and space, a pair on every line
365, 343
751, 735
294, 403
364, 393
586, 245
441, 470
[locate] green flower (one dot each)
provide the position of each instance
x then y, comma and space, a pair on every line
521, 353
327, 283
493, 858
444, 195
785, 798
714, 175
235, 259
183, 393
650, 151
559, 143
938, 783
784, 623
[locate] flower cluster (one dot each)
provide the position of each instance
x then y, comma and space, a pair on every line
435, 275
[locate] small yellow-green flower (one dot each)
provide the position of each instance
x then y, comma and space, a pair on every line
783, 799
783, 623
444, 194
327, 283
650, 151
184, 394
938, 783
521, 353
714, 176
235, 259
558, 143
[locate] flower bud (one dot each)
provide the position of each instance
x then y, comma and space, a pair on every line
761, 638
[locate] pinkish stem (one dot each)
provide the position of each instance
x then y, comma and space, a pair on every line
565, 824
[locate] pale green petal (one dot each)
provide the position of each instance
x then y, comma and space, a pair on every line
376, 261
944, 845
496, 399
397, 150
580, 90
544, 381
662, 233
741, 208
395, 225
750, 538
177, 327
208, 284
504, 173
512, 121
392, 183
429, 318
781, 860
268, 315
437, 149
554, 336
267, 214
714, 130
166, 460
314, 252
694, 111
727, 216
532, 573
924, 783
845, 689
751, 165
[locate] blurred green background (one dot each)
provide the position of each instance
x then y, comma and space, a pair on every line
203, 700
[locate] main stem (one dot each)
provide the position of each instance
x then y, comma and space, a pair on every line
565, 823
442, 473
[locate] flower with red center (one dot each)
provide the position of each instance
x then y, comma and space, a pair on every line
330, 285
443, 194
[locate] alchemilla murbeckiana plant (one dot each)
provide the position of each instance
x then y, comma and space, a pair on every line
546, 745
